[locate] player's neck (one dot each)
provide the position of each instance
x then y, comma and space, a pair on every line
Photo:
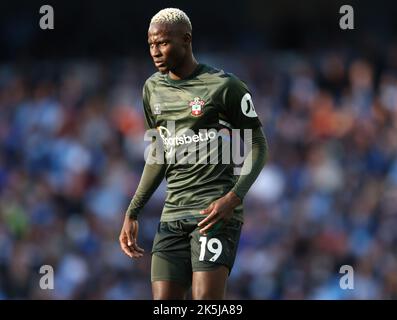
185, 70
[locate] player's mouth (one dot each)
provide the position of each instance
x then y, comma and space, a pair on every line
159, 64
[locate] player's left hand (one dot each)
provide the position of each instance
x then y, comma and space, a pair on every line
219, 210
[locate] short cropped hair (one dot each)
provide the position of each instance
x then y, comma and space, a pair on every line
172, 15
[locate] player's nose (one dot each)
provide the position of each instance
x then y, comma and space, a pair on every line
155, 52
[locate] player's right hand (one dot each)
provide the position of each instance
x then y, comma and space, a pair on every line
128, 238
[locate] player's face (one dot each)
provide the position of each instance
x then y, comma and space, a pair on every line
167, 46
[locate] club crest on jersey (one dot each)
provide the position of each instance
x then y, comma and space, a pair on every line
197, 106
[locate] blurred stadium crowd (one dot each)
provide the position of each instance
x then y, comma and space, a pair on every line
71, 141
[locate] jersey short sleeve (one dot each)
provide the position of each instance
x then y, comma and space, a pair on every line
236, 103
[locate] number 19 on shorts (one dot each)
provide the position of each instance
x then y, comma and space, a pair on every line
213, 245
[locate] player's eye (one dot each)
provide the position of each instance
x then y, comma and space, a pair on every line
164, 43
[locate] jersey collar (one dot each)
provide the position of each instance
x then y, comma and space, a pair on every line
195, 73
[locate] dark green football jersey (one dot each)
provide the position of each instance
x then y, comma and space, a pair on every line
186, 113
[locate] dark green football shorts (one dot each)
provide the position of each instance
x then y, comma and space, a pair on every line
179, 249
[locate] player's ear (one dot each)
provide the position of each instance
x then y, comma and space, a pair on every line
187, 38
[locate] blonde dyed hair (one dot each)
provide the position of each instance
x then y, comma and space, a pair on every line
172, 16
